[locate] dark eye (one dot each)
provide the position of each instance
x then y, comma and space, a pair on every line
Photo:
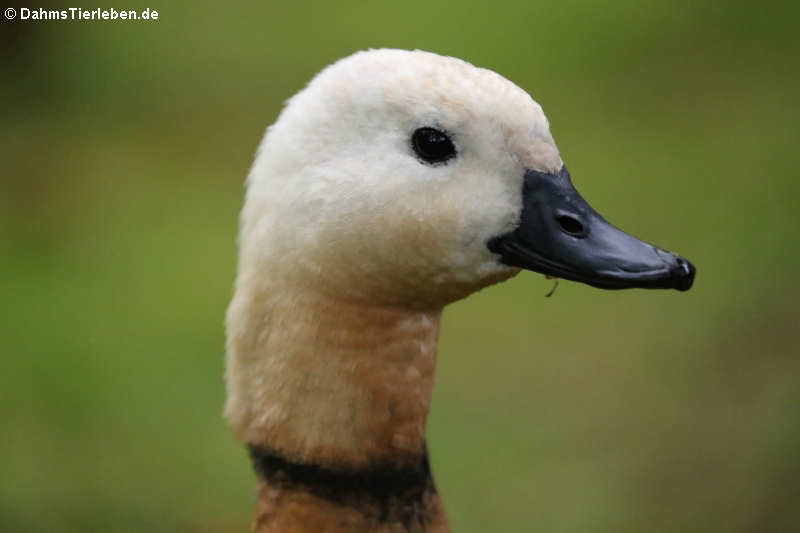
432, 145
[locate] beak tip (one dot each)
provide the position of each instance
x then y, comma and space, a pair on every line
683, 274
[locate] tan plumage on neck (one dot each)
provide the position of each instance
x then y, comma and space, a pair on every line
338, 384
328, 381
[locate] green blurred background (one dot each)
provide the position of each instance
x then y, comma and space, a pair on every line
123, 149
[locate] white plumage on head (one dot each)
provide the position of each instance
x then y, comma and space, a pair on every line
337, 191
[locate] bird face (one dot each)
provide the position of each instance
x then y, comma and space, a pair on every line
412, 179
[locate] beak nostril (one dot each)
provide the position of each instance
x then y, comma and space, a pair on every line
572, 226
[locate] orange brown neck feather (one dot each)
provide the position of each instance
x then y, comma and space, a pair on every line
281, 511
338, 385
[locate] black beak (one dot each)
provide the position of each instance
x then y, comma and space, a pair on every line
562, 236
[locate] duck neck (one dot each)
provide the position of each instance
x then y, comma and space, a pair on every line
332, 398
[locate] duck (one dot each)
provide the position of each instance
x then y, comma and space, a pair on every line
396, 182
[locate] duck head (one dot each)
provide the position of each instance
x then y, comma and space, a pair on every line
408, 178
